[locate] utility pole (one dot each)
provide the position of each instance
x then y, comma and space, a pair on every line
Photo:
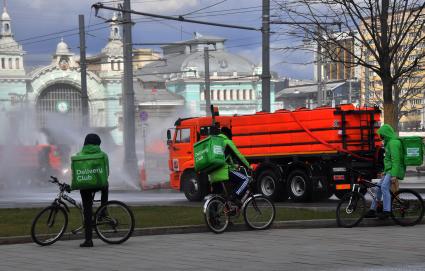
319, 74
265, 76
207, 91
83, 69
366, 81
130, 158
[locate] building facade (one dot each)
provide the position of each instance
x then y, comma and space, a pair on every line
235, 81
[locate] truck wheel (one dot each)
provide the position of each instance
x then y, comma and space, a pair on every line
192, 186
299, 186
269, 185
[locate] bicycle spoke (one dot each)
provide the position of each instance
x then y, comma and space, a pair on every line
407, 208
216, 215
259, 212
351, 210
49, 225
114, 222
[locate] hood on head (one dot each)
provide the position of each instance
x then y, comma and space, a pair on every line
386, 131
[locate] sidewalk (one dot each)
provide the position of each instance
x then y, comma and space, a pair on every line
356, 249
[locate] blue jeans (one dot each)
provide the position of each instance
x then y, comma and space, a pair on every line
383, 190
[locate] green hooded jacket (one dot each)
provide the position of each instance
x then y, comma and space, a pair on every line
232, 153
91, 149
393, 161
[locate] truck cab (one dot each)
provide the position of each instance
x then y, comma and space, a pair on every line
180, 140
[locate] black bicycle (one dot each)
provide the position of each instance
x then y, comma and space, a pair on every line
407, 206
258, 211
113, 222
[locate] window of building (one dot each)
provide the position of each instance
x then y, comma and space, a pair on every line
10, 63
226, 95
112, 65
17, 64
239, 91
251, 94
118, 65
3, 65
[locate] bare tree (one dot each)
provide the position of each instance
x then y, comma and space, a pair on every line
387, 32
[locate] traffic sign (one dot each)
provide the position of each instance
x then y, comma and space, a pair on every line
143, 116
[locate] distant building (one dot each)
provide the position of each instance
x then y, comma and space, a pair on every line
235, 81
144, 56
305, 95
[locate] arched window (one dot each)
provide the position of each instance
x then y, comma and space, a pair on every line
10, 63
17, 63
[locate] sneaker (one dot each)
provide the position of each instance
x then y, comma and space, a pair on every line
87, 244
384, 215
370, 214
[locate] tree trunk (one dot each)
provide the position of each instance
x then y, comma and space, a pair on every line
389, 107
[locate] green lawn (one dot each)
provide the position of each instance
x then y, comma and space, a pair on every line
17, 222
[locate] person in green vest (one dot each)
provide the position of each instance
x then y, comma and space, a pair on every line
92, 146
231, 172
394, 170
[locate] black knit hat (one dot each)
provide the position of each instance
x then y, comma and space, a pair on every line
92, 139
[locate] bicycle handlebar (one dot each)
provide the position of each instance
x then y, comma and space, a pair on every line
62, 186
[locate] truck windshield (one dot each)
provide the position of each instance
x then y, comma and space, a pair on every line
183, 135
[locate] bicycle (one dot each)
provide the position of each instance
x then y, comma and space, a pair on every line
113, 222
407, 206
258, 211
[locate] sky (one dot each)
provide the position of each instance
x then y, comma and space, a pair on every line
40, 24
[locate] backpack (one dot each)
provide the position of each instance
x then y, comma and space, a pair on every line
209, 154
89, 171
413, 150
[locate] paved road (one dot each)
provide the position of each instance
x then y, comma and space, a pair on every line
375, 248
38, 197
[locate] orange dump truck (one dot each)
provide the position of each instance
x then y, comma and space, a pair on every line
303, 154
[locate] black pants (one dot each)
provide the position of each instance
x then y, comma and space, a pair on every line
87, 198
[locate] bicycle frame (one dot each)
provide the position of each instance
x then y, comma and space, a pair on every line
61, 200
248, 194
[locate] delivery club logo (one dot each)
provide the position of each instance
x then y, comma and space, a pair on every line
87, 174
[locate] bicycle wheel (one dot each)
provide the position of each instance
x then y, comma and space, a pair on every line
215, 216
407, 207
114, 222
351, 210
49, 225
259, 212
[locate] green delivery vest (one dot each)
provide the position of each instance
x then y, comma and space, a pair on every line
90, 169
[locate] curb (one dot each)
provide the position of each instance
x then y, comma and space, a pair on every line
294, 224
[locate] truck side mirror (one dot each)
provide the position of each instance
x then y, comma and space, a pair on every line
169, 137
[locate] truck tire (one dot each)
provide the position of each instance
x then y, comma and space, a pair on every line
300, 186
192, 186
269, 185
